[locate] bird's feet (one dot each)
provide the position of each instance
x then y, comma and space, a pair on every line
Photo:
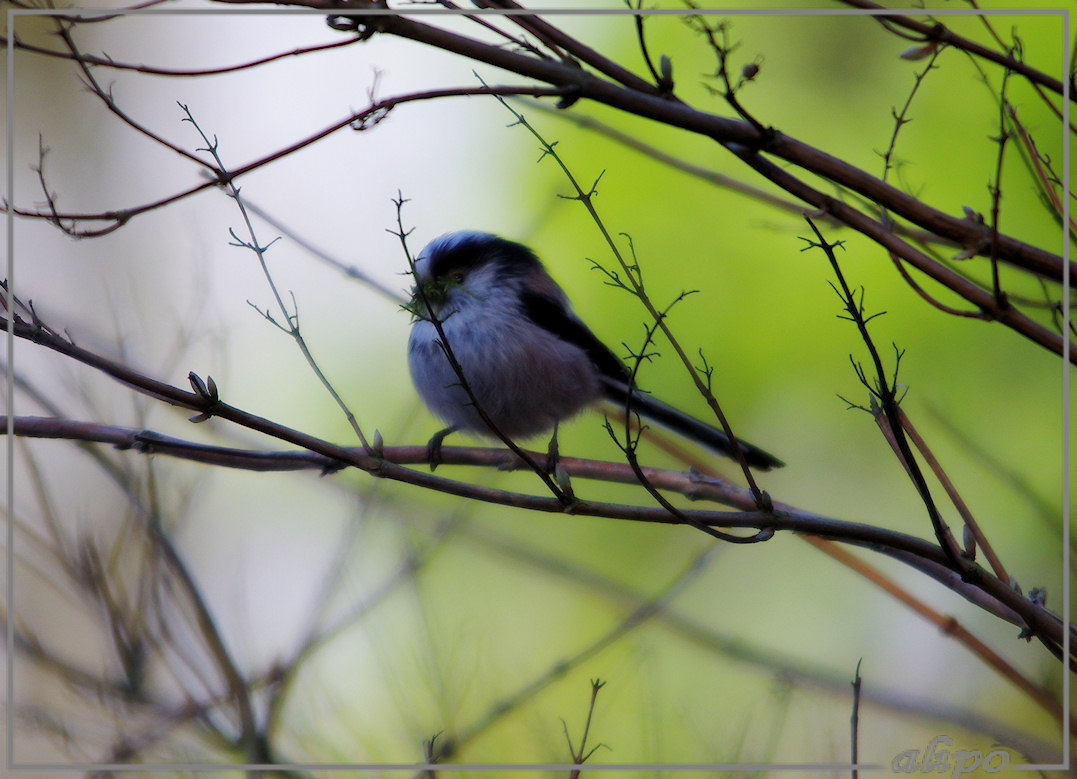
553, 454
556, 472
433, 447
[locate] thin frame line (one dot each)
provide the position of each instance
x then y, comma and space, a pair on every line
805, 12
9, 388
86, 13
586, 767
1066, 453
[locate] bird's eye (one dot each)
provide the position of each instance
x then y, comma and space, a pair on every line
457, 277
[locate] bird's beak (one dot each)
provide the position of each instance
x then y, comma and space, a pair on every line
431, 294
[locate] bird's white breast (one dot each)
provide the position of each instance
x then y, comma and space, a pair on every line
525, 378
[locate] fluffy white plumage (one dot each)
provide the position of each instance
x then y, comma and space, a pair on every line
523, 376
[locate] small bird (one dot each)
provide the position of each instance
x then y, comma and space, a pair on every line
529, 361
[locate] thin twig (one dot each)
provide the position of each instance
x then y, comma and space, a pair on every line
290, 320
955, 497
370, 116
885, 392
995, 186
580, 756
854, 719
150, 70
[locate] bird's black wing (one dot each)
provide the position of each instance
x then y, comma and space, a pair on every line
551, 315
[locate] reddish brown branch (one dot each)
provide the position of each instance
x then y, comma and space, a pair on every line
371, 115
947, 625
150, 70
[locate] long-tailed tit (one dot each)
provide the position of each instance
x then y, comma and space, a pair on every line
528, 360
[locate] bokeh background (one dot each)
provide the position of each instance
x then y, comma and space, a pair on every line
483, 623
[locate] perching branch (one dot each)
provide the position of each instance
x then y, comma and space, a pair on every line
969, 580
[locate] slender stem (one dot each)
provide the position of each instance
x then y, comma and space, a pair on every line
885, 392
291, 317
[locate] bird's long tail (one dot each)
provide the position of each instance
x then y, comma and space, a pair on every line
687, 426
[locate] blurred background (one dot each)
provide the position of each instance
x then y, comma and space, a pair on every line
367, 617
